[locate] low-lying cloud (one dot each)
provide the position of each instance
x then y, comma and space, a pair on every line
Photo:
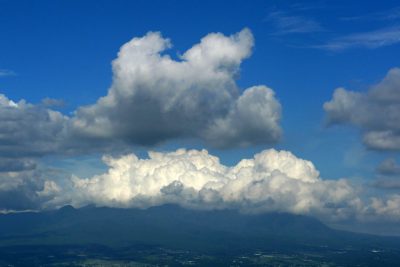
27, 189
271, 181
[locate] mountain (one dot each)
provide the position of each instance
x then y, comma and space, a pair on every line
176, 228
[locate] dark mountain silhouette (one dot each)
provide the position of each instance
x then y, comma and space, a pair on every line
171, 226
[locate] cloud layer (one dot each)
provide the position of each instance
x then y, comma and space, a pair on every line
271, 181
376, 113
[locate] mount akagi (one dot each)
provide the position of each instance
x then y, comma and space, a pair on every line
217, 232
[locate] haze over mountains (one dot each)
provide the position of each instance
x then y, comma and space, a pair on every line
175, 227
111, 232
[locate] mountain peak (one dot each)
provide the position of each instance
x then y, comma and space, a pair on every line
67, 208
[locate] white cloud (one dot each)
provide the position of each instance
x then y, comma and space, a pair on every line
389, 208
271, 181
154, 98
50, 188
376, 113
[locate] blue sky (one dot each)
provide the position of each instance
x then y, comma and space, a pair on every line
302, 50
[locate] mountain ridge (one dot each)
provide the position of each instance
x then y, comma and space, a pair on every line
172, 226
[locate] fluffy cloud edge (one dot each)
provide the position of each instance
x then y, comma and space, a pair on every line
154, 98
375, 112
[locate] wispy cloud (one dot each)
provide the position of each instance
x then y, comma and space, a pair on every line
301, 6
371, 40
390, 14
4, 73
285, 23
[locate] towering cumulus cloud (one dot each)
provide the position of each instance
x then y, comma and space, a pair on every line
376, 113
154, 98
271, 181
